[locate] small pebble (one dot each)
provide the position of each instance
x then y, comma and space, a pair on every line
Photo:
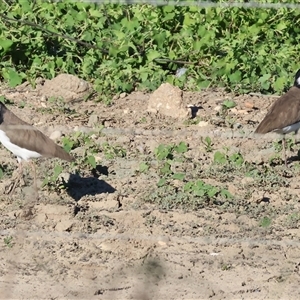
55, 135
202, 124
123, 95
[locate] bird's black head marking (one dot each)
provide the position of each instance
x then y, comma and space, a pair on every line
297, 79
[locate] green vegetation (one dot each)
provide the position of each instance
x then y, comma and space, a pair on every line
177, 188
8, 241
265, 222
122, 47
208, 144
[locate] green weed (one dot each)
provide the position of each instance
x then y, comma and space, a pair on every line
223, 158
53, 181
8, 241
113, 151
265, 222
120, 48
227, 104
208, 144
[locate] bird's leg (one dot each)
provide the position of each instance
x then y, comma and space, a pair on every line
34, 179
17, 178
283, 148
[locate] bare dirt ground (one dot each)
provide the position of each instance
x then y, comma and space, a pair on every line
109, 237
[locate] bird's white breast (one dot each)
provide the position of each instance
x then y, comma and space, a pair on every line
21, 153
288, 129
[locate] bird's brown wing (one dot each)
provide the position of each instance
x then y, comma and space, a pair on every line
34, 140
26, 136
285, 111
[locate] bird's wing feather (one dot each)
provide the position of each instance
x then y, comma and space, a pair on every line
285, 111
26, 136
34, 140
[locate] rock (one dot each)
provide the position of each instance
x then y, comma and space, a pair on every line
249, 105
167, 100
122, 95
202, 124
218, 108
93, 120
66, 86
163, 241
55, 135
64, 225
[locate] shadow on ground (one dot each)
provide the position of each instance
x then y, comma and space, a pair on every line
79, 187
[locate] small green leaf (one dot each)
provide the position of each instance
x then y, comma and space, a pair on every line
208, 140
279, 83
235, 77
237, 159
1, 173
220, 158
57, 170
265, 222
67, 144
226, 194
153, 54
179, 176
45, 182
144, 167
5, 44
229, 104
92, 161
181, 148
212, 191
161, 182
13, 77
166, 169
199, 192
188, 187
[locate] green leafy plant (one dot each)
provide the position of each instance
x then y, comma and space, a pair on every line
143, 167
201, 189
227, 104
120, 48
89, 145
68, 143
265, 222
226, 267
111, 151
52, 181
220, 157
168, 154
223, 158
8, 241
208, 144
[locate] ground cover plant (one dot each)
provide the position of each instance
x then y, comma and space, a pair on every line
120, 48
